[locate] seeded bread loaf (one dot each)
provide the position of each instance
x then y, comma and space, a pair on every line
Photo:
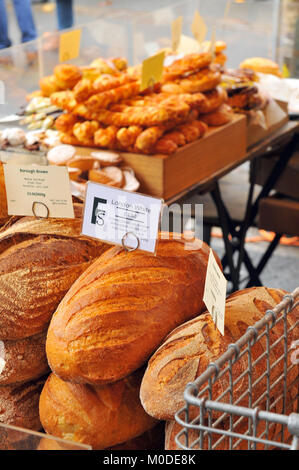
121, 308
188, 350
23, 360
101, 416
39, 261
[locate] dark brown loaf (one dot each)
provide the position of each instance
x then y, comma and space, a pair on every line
101, 416
23, 360
187, 351
19, 406
122, 307
39, 261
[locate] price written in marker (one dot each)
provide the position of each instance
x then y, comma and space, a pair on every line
199, 27
152, 70
215, 293
69, 45
176, 33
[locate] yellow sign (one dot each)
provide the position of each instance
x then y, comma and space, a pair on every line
176, 32
69, 45
152, 70
285, 71
188, 45
199, 28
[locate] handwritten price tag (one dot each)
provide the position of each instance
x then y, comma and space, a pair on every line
69, 45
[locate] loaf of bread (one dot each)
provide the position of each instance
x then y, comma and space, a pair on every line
150, 440
23, 360
188, 350
121, 308
39, 261
101, 416
19, 407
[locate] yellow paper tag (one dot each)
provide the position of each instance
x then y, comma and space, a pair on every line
285, 71
69, 45
199, 28
152, 70
188, 45
176, 32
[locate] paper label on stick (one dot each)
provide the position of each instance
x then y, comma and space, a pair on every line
69, 45
199, 27
152, 70
43, 191
121, 217
176, 32
215, 292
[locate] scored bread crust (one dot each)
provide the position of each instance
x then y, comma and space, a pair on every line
39, 261
101, 416
187, 351
121, 308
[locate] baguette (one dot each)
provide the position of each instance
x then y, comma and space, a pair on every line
188, 350
121, 308
101, 416
39, 261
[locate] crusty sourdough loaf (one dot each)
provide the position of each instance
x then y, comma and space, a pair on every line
120, 309
23, 360
101, 416
188, 350
19, 406
39, 261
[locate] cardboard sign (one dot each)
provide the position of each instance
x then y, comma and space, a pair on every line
69, 45
176, 32
199, 28
43, 191
121, 217
215, 292
152, 70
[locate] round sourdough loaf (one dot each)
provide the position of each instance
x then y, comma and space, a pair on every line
101, 416
39, 261
121, 308
188, 350
23, 360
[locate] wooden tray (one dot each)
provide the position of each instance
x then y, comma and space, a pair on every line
166, 175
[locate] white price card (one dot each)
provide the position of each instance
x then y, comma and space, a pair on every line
121, 217
215, 292
43, 191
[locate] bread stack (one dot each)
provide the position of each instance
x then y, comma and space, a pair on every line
39, 261
188, 350
109, 111
103, 332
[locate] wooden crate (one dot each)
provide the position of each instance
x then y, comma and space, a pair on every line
165, 176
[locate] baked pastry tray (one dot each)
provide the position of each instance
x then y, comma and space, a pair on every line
167, 175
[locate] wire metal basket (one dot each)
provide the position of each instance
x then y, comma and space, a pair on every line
265, 415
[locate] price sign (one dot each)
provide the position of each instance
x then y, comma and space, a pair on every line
43, 191
215, 293
176, 32
69, 45
199, 28
121, 217
152, 70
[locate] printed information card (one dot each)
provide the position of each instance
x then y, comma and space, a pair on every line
43, 191
215, 292
121, 217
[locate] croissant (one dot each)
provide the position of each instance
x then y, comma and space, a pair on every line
147, 139
106, 138
188, 63
83, 90
102, 100
126, 136
65, 122
85, 131
67, 75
